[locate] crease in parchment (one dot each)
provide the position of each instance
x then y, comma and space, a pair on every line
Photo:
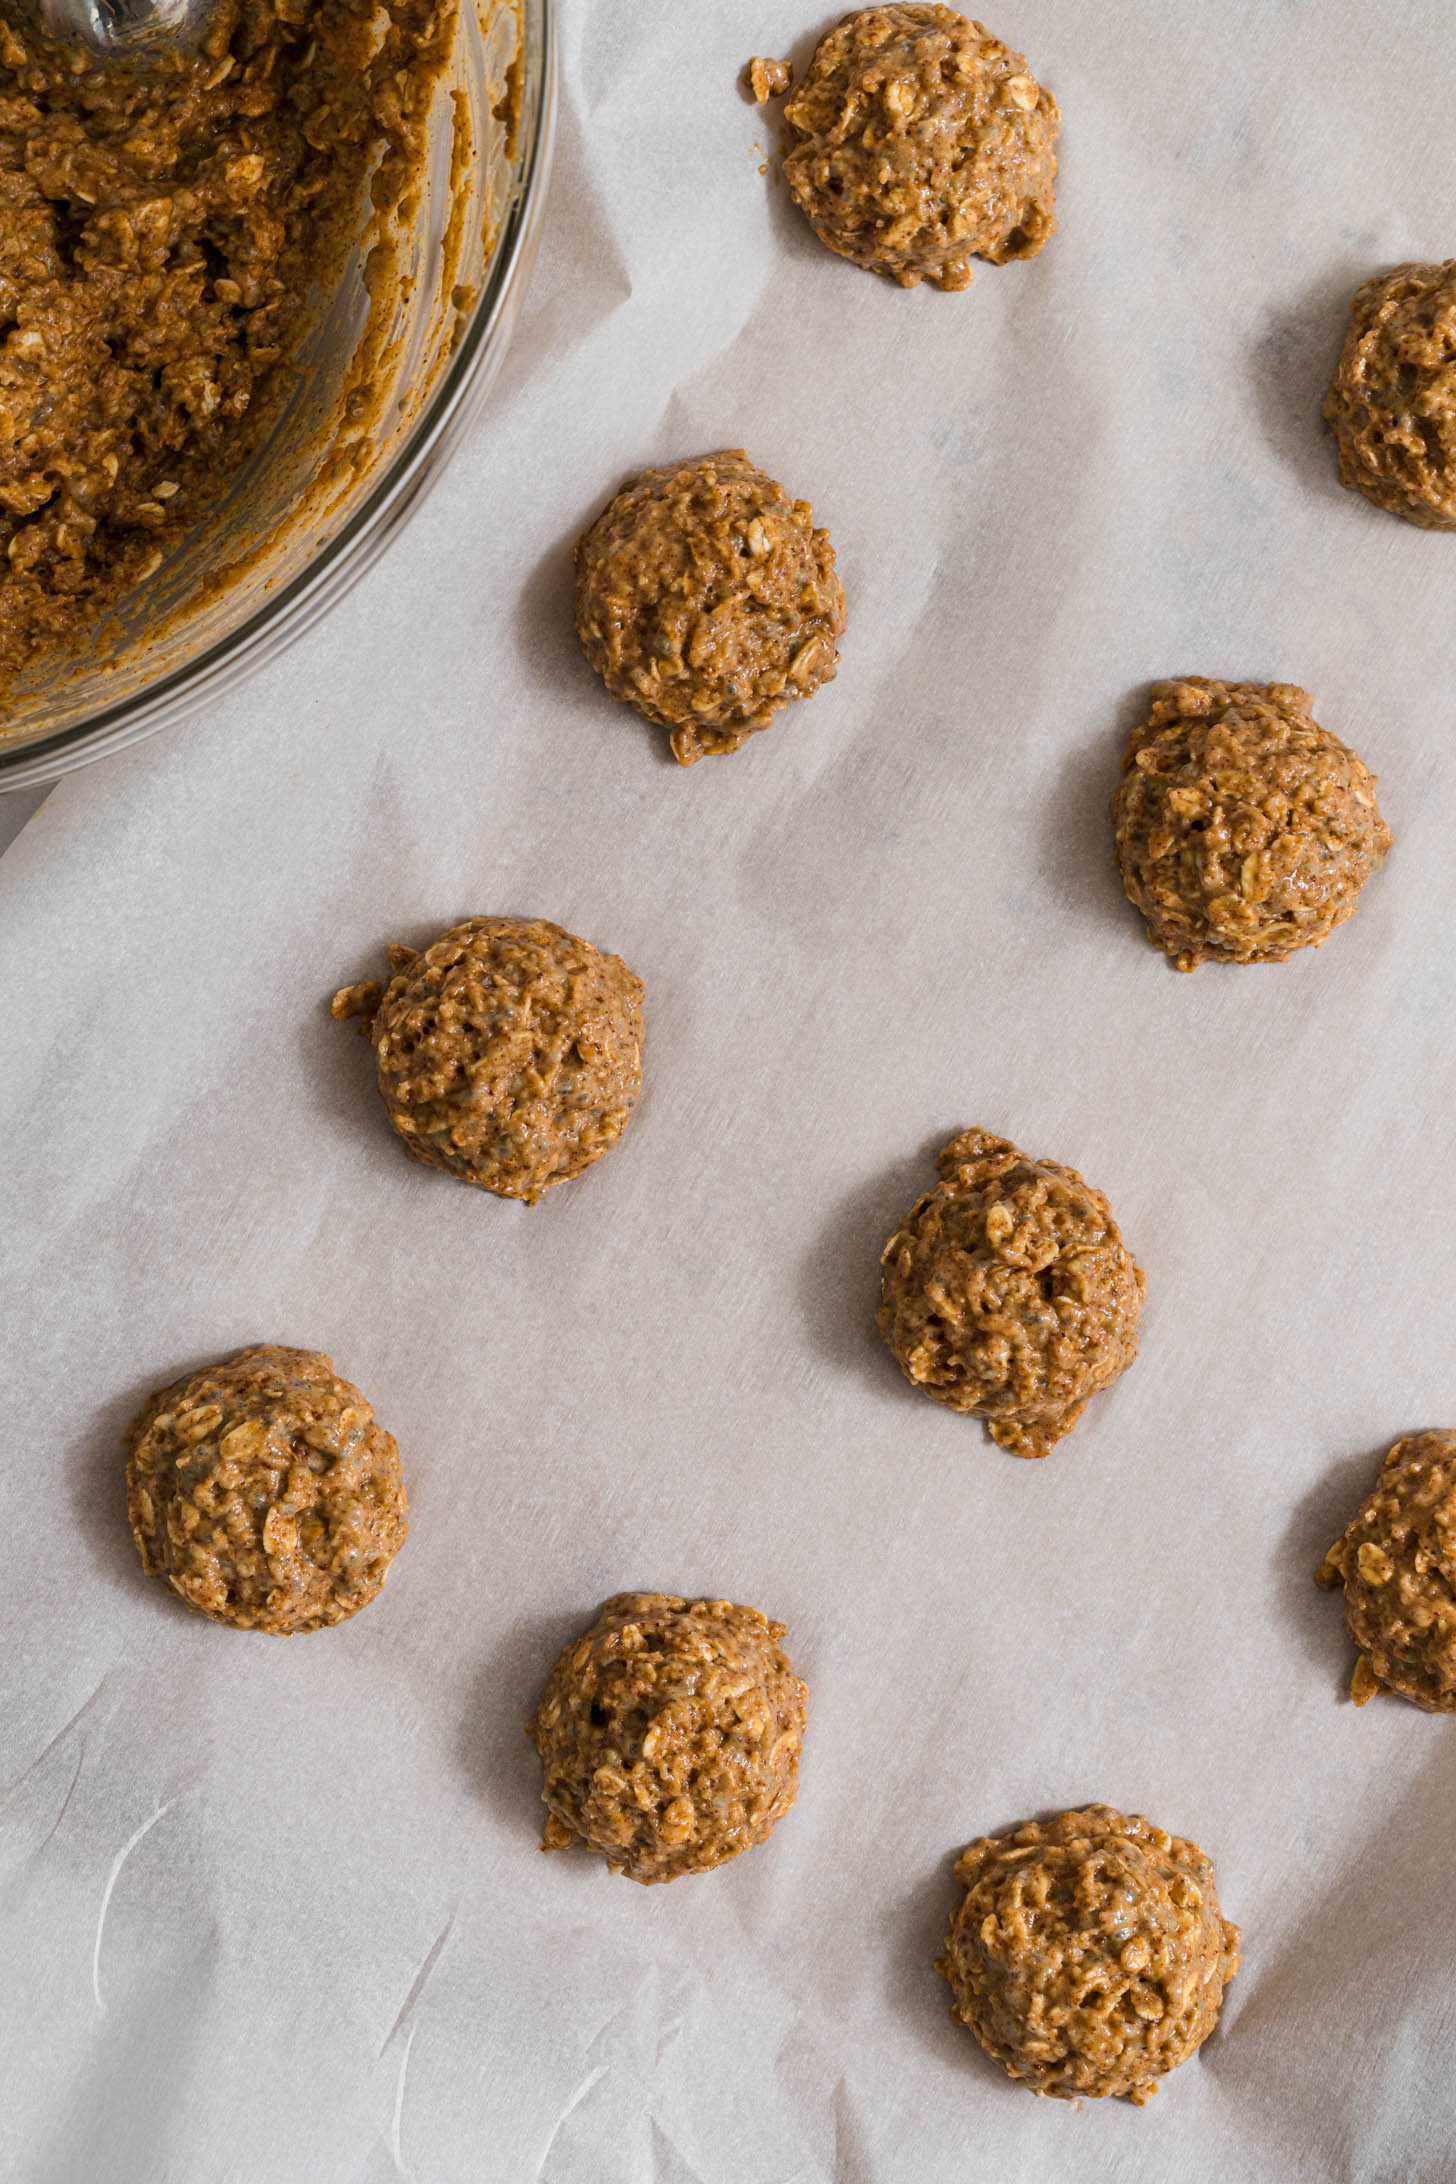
396, 2151
44, 1754
681, 2167
65, 1802
631, 2041
22, 1858
593, 2077
111, 1880
421, 1979
404, 2017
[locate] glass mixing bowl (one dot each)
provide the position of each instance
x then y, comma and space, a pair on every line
325, 491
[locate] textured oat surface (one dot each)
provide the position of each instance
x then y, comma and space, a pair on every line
508, 1053
1088, 1955
1242, 829
160, 232
706, 599
1397, 1562
917, 142
265, 1493
669, 1735
1007, 1291
1392, 402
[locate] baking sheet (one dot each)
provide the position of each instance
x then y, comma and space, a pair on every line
272, 1913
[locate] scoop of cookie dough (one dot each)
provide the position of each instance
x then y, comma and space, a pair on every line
1088, 1955
264, 1492
669, 1735
1392, 402
1243, 830
1397, 1562
706, 599
1007, 1291
917, 142
509, 1053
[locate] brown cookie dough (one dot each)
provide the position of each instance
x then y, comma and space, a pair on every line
669, 1735
1392, 402
1243, 830
1009, 1293
917, 142
265, 1494
167, 225
509, 1053
1088, 1955
1397, 1562
706, 599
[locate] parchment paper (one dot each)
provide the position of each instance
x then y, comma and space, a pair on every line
272, 1912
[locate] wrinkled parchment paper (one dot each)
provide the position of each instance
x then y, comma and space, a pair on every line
272, 1910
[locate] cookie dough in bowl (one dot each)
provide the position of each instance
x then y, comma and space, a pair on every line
1088, 1955
257, 289
1007, 1292
508, 1053
1392, 402
669, 1735
706, 599
917, 142
1396, 1560
1242, 829
265, 1492
164, 222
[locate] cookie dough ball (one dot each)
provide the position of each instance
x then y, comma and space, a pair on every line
1397, 1563
264, 1492
669, 1735
1088, 1955
1008, 1292
917, 142
509, 1053
1243, 830
706, 599
1392, 402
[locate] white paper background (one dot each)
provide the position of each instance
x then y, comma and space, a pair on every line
334, 1956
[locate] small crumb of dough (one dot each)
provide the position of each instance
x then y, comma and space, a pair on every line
508, 1053
1397, 1562
1007, 1292
265, 1493
1089, 1955
706, 599
917, 142
1392, 402
669, 1735
1242, 829
769, 79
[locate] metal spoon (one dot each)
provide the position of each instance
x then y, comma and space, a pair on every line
118, 29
